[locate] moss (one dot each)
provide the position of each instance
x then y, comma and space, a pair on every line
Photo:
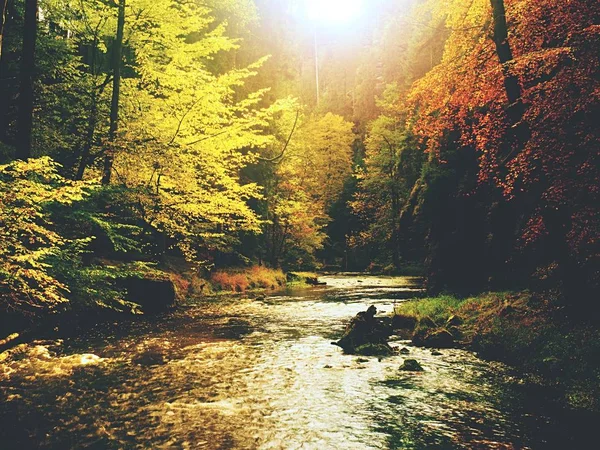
373, 350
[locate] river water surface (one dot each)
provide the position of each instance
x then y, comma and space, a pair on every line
241, 373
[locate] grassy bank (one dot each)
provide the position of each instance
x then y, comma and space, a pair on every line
245, 279
519, 329
189, 282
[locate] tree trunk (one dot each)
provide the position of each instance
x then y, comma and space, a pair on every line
114, 105
4, 82
519, 131
25, 117
89, 139
3, 4
504, 214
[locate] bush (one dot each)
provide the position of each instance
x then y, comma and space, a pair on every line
29, 237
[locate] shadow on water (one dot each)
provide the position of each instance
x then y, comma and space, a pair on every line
262, 374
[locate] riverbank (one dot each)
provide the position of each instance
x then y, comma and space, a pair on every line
528, 332
130, 290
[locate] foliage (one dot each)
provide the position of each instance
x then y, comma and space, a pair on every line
29, 237
526, 331
300, 184
547, 172
392, 165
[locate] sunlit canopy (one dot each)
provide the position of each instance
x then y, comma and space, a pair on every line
334, 11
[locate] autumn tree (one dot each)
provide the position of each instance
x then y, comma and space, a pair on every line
474, 95
301, 183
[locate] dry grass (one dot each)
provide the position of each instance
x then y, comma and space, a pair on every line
241, 280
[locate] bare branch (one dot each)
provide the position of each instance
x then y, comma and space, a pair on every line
278, 157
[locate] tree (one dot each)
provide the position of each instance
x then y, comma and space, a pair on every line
3, 4
539, 156
301, 183
392, 165
116, 86
25, 123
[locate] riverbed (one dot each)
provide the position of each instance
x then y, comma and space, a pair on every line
261, 373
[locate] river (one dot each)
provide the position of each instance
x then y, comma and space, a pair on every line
243, 373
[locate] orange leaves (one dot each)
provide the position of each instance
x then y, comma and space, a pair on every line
555, 46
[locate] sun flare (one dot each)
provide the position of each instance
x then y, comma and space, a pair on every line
334, 11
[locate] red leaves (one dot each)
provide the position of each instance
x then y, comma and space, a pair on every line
556, 45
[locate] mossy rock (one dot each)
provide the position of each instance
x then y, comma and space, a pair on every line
154, 294
454, 321
411, 365
373, 350
441, 338
427, 322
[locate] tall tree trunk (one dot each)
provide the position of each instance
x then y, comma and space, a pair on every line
114, 105
3, 4
519, 132
4, 89
89, 139
504, 214
503, 50
25, 117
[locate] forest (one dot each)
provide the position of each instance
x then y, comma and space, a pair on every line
199, 143
449, 138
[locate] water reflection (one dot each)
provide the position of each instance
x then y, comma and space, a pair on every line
248, 374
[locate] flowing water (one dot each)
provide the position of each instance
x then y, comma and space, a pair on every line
240, 373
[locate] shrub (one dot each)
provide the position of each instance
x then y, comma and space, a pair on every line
29, 237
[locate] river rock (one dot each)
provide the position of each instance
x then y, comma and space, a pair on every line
373, 350
366, 334
150, 357
411, 365
404, 351
439, 339
235, 329
152, 294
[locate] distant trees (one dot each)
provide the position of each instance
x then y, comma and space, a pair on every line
392, 165
300, 184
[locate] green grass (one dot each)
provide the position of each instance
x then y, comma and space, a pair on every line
436, 308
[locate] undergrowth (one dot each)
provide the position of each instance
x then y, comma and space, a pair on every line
527, 332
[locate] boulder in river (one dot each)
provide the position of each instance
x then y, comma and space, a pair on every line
371, 349
152, 294
411, 365
366, 335
403, 322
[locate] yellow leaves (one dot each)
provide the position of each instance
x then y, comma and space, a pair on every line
26, 232
320, 157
